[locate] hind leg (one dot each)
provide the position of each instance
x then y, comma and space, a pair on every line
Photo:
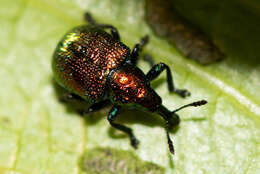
113, 30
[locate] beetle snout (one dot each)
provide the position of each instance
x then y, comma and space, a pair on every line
151, 101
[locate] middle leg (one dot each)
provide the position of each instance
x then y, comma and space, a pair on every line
69, 97
94, 107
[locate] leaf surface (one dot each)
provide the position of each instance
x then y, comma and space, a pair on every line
38, 134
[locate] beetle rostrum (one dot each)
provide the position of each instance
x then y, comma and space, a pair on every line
94, 65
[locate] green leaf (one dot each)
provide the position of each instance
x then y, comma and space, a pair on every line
38, 134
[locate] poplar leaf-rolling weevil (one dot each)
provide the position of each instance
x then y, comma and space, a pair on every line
94, 65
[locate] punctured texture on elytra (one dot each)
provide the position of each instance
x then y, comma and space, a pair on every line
84, 58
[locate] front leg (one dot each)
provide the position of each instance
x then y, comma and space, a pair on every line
156, 71
114, 112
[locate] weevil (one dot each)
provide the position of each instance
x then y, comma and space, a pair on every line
95, 65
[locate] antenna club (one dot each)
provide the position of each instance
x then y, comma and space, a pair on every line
199, 103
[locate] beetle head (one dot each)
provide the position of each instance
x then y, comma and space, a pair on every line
129, 86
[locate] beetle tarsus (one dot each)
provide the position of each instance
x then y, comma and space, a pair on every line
170, 144
182, 92
134, 142
144, 41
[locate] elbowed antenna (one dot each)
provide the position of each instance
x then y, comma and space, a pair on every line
172, 119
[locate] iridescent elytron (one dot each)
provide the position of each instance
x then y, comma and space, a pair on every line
96, 66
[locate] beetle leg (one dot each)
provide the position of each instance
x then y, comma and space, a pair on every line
70, 97
97, 106
148, 58
88, 17
156, 71
170, 144
67, 97
172, 119
138, 48
114, 112
114, 32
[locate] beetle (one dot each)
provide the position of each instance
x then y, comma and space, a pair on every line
96, 66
